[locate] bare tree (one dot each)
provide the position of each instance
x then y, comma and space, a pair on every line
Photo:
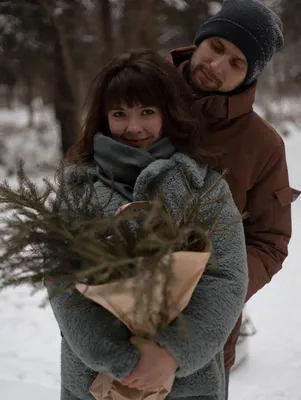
66, 82
104, 13
138, 24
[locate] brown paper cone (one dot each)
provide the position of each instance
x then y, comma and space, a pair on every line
105, 387
187, 268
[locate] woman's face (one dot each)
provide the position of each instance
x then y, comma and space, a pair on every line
136, 126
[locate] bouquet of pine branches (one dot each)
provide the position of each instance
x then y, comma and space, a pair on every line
51, 231
132, 263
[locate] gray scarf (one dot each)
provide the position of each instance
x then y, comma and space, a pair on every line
119, 165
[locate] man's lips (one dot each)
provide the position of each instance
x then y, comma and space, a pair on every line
208, 76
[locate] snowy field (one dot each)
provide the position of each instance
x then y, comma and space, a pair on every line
30, 340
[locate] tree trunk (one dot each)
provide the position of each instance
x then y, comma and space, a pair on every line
104, 13
64, 103
139, 24
66, 91
66, 53
28, 99
196, 13
9, 96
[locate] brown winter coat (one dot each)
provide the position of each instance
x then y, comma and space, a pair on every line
254, 154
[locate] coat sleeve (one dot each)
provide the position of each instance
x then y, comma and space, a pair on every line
218, 298
268, 226
92, 332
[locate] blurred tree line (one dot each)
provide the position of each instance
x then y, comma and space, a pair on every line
52, 49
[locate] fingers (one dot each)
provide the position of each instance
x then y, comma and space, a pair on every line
139, 342
133, 377
130, 379
136, 380
140, 381
134, 384
144, 386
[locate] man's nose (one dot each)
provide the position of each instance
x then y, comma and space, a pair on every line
217, 64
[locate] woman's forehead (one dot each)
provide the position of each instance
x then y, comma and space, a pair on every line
132, 90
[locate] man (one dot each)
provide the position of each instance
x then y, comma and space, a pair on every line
231, 51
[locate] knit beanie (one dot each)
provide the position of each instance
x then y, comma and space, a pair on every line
251, 26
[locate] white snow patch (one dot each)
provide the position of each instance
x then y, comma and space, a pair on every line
20, 390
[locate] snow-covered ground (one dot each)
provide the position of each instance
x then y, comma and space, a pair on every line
30, 344
30, 340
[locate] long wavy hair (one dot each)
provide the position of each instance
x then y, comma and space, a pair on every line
134, 78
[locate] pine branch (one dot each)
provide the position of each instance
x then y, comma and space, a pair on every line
54, 232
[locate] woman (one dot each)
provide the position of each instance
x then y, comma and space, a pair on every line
140, 129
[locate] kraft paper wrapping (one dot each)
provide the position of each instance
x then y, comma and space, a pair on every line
187, 268
105, 387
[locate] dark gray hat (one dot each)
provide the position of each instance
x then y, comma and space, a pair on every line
254, 28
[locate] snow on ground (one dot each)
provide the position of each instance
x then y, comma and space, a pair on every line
30, 340
29, 337
12, 391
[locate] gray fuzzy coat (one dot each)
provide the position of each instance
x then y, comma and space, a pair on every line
93, 343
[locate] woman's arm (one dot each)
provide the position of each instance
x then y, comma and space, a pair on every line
92, 332
219, 296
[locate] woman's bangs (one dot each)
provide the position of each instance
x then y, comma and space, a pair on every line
133, 88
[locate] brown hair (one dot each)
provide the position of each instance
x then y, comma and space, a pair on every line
139, 77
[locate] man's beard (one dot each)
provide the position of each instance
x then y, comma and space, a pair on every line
216, 81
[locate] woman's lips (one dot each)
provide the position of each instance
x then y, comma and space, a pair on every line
135, 140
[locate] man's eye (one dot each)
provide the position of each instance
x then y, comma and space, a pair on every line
238, 64
148, 112
217, 47
118, 114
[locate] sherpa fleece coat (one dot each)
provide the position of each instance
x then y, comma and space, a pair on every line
93, 343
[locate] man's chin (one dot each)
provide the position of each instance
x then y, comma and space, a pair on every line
204, 87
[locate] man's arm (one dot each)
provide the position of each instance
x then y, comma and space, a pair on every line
268, 227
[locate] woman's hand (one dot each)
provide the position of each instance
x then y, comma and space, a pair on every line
156, 366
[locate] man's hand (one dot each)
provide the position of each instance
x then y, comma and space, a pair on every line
156, 366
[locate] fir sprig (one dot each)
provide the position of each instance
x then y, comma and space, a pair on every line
53, 231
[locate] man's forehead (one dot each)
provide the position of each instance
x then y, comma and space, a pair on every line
232, 49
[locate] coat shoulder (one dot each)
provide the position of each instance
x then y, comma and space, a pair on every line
263, 131
78, 173
216, 184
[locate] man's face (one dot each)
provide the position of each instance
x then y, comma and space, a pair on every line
218, 65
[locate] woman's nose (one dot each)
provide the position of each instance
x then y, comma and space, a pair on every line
133, 125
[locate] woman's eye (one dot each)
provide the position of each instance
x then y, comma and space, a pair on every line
118, 114
148, 111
